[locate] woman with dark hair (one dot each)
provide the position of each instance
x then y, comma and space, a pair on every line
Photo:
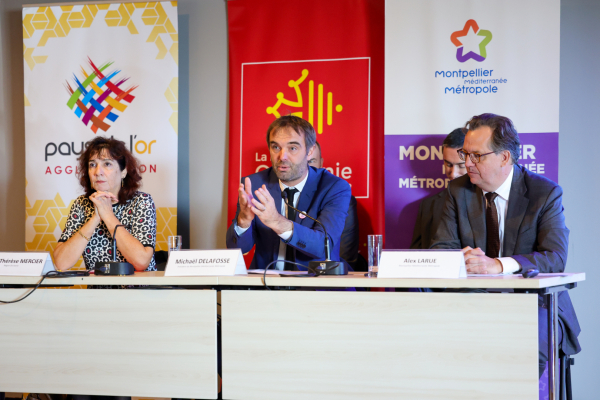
108, 173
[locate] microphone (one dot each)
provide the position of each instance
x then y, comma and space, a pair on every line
113, 267
530, 273
329, 267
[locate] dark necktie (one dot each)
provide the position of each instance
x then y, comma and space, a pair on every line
290, 253
492, 248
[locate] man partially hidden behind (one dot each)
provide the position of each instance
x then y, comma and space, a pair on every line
264, 220
430, 209
507, 219
349, 239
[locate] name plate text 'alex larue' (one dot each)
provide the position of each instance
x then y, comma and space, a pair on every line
422, 264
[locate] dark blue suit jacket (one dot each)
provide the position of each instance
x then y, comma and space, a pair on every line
324, 197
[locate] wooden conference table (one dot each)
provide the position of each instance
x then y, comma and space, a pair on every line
300, 341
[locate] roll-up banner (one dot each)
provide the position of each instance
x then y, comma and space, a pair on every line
447, 61
319, 60
98, 70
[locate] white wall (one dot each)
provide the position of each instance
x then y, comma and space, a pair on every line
12, 141
208, 124
579, 142
203, 145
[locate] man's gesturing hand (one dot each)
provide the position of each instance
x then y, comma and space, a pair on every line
478, 263
263, 206
246, 214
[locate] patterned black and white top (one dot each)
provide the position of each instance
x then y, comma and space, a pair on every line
138, 215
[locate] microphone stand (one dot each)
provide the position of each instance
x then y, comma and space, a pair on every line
114, 267
327, 266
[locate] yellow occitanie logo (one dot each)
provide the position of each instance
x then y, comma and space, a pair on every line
299, 103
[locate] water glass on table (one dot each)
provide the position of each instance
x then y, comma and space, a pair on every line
174, 243
374, 243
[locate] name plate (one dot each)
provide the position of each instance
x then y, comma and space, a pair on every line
25, 264
206, 263
447, 264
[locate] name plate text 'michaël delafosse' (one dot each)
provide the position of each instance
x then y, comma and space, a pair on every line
206, 263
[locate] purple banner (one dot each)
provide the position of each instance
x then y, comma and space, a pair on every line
414, 170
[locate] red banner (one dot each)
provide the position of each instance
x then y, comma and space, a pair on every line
322, 61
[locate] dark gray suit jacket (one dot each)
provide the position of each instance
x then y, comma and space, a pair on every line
535, 234
428, 220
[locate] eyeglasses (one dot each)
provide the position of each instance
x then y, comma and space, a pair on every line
475, 157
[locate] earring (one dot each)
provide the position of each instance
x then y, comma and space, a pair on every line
121, 182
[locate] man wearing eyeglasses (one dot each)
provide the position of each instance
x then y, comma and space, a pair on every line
507, 219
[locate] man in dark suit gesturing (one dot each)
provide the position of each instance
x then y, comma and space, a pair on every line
430, 208
507, 219
264, 220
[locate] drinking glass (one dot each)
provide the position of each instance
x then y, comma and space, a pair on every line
375, 243
174, 243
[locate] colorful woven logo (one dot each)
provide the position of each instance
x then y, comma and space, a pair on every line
98, 98
464, 33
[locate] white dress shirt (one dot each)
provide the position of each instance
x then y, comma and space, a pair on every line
509, 264
285, 236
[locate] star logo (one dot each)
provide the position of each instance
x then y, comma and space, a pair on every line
471, 37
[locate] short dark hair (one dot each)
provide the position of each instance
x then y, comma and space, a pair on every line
455, 139
118, 151
299, 125
319, 147
504, 134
